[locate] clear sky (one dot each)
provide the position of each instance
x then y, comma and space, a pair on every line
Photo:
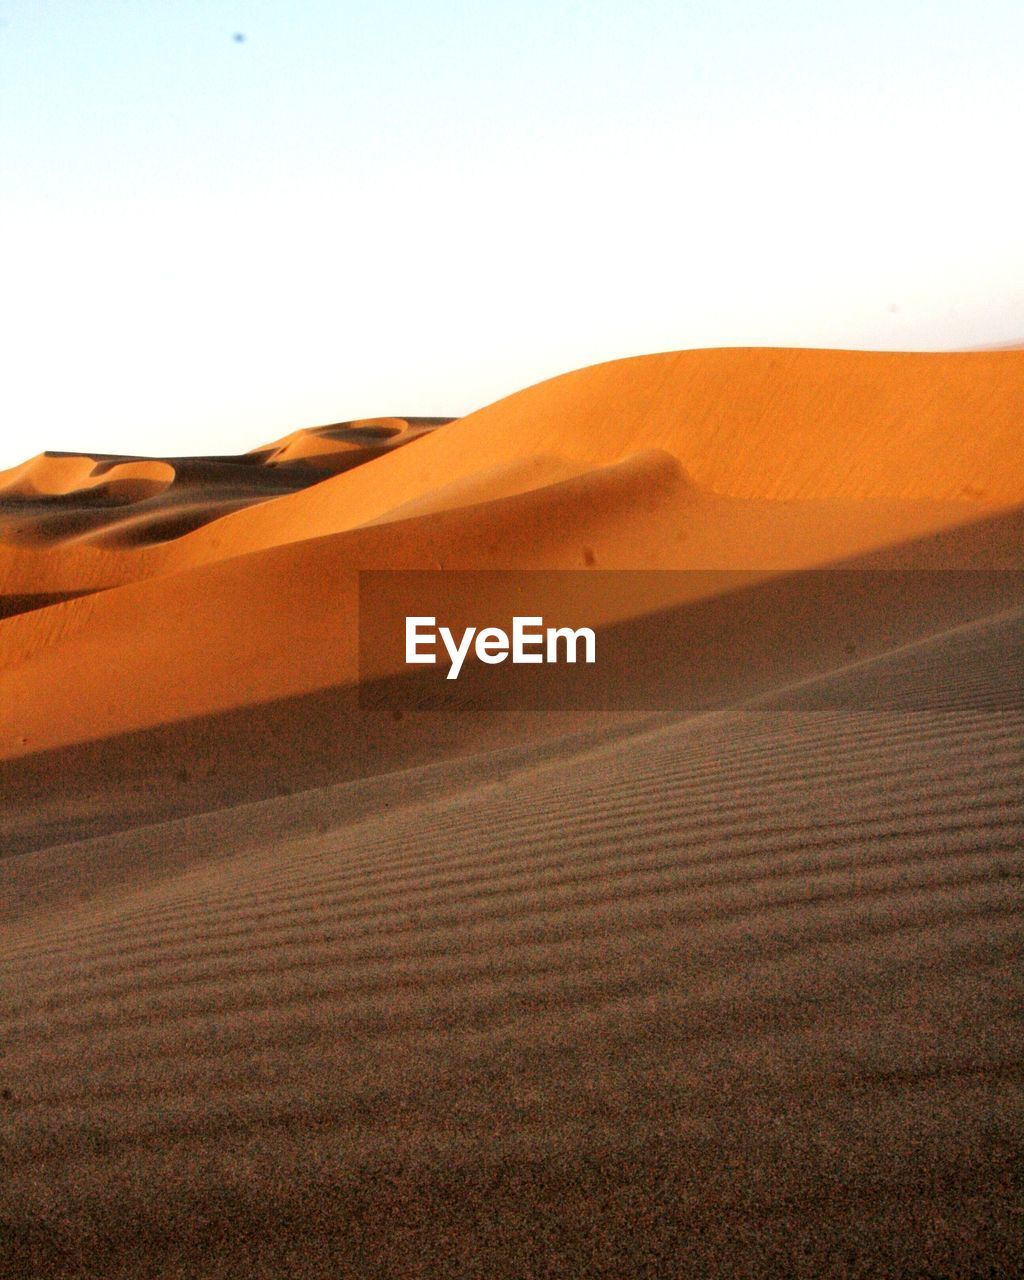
417, 206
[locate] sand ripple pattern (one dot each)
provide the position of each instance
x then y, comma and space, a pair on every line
736, 996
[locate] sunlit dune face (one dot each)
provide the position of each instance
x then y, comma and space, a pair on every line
756, 426
103, 482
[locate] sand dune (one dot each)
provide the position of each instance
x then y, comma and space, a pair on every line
105, 482
73, 523
757, 424
716, 977
751, 459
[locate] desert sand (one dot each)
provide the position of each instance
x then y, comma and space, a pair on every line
296, 985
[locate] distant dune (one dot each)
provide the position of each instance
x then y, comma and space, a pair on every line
293, 985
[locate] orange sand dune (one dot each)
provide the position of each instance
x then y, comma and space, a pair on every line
732, 460
102, 481
759, 424
304, 974
346, 444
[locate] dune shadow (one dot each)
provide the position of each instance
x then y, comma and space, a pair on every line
781, 633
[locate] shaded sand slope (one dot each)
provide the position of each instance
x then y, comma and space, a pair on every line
738, 996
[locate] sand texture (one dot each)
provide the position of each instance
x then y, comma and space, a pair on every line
293, 985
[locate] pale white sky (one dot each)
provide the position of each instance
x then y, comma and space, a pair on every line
389, 207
